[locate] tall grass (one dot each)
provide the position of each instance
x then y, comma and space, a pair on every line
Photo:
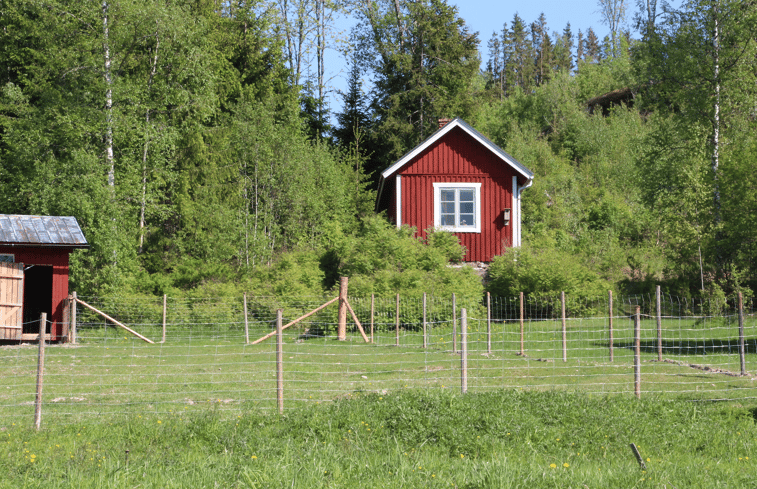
505, 439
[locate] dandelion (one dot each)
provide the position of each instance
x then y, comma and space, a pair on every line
552, 466
159, 421
254, 457
566, 465
462, 456
648, 460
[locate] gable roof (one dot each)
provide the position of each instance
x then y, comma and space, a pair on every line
457, 122
483, 140
52, 231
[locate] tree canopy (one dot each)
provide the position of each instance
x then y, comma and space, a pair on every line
193, 142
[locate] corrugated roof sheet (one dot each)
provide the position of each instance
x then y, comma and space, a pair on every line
41, 231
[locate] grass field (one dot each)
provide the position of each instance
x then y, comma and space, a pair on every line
115, 374
508, 438
200, 410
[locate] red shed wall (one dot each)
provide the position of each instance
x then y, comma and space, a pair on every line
457, 157
58, 259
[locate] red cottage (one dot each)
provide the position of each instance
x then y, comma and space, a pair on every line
459, 181
34, 273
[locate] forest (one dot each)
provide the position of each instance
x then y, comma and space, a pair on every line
194, 142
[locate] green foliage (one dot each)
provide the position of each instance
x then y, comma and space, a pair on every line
543, 273
218, 180
384, 260
425, 64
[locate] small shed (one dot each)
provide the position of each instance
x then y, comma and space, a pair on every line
34, 253
458, 180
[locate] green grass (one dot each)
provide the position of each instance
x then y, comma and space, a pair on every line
112, 373
414, 438
200, 410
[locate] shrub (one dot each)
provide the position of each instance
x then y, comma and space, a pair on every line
543, 272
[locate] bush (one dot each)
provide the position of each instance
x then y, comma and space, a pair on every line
545, 273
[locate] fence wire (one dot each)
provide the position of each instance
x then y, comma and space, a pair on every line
206, 359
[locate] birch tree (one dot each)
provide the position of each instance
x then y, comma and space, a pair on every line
613, 14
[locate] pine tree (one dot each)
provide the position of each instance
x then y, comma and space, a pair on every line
592, 47
494, 66
426, 60
354, 119
564, 51
542, 47
519, 61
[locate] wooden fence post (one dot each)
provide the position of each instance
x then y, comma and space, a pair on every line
488, 323
280, 360
425, 334
522, 311
464, 350
564, 329
609, 310
342, 321
373, 298
165, 300
73, 319
397, 322
454, 323
246, 322
40, 370
742, 357
637, 352
659, 324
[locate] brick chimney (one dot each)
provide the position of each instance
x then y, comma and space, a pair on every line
444, 122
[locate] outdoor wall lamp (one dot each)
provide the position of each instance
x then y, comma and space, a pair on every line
506, 216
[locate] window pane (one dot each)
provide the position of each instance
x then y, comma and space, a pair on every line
466, 195
448, 207
466, 207
467, 220
448, 195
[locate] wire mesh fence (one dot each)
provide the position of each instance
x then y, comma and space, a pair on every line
687, 348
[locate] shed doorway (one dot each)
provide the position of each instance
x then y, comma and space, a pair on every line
38, 296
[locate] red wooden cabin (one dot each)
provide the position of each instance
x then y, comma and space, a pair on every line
459, 181
34, 254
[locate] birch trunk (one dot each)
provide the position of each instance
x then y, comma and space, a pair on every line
716, 112
108, 103
143, 203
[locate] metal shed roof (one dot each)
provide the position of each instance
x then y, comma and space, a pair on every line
54, 231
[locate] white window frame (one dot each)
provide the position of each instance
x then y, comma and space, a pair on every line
476, 187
